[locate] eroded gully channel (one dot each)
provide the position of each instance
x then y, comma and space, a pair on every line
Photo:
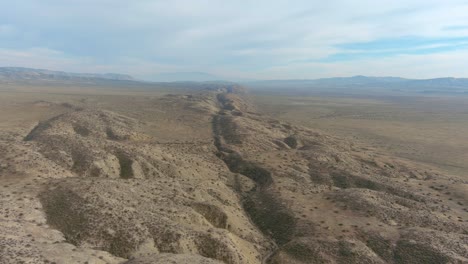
263, 207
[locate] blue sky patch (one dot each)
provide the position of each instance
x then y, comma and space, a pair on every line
395, 47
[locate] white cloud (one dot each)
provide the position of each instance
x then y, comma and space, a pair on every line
248, 38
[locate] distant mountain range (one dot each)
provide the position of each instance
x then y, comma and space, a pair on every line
338, 84
437, 85
19, 73
366, 81
29, 74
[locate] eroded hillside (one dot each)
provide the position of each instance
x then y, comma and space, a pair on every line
326, 200
203, 178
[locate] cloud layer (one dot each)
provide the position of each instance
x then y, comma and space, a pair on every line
238, 39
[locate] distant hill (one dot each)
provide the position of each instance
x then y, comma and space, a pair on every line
442, 82
446, 85
19, 74
185, 76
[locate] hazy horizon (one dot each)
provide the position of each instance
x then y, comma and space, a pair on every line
264, 40
204, 77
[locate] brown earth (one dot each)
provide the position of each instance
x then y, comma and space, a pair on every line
201, 177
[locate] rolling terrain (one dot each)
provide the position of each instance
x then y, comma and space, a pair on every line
426, 129
195, 173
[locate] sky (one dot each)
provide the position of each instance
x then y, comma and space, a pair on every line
238, 39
